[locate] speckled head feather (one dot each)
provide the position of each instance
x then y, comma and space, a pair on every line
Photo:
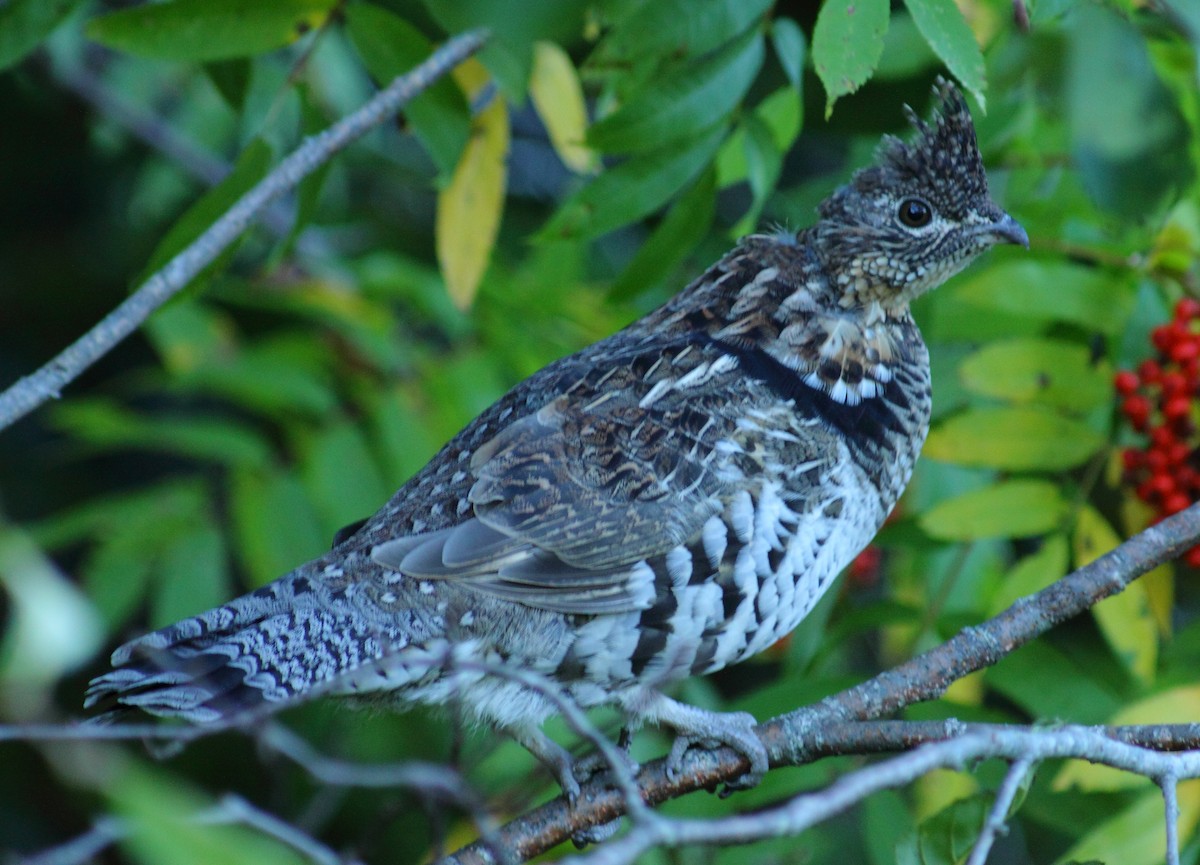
916, 217
944, 152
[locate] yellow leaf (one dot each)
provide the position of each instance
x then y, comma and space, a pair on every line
967, 691
1179, 705
1137, 835
1126, 619
469, 208
558, 98
1160, 582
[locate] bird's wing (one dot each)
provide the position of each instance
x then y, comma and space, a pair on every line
567, 501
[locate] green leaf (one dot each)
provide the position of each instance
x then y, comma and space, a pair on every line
514, 28
684, 226
275, 526
116, 575
790, 49
194, 575
389, 46
635, 188
1032, 574
847, 44
676, 28
199, 437
1050, 291
949, 835
1126, 619
25, 23
684, 101
764, 162
781, 115
1135, 836
1047, 683
404, 440
263, 381
341, 476
1049, 371
251, 166
886, 820
946, 31
1015, 439
160, 817
202, 30
1009, 509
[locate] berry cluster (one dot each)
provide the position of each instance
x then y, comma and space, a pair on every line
1157, 400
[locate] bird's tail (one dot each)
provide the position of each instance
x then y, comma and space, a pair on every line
259, 652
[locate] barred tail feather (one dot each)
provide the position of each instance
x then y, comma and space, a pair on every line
259, 652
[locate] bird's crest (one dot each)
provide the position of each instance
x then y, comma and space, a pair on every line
944, 152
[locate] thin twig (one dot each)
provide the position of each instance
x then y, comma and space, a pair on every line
105, 832
233, 809
47, 383
1169, 784
998, 813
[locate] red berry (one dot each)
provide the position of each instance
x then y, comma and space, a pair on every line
1125, 382
1192, 557
1133, 459
1162, 485
1177, 408
1174, 503
1178, 453
864, 570
1137, 409
1186, 309
1174, 383
1149, 372
1185, 349
1165, 336
1145, 491
1162, 437
1156, 461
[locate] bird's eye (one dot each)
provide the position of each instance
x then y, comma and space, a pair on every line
914, 212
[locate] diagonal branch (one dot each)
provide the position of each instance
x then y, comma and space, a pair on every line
798, 737
47, 383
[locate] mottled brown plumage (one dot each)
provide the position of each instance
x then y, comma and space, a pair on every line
666, 502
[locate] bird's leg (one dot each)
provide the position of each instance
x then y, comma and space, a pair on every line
706, 728
569, 772
596, 762
554, 757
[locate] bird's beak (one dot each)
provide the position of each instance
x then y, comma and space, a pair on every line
1008, 230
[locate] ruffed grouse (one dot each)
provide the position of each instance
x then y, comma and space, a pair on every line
669, 501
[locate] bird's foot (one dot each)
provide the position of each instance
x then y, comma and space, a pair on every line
704, 728
554, 757
597, 763
571, 773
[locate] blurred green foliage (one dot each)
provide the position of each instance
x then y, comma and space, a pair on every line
316, 366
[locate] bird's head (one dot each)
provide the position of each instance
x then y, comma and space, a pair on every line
917, 216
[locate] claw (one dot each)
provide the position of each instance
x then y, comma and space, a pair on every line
708, 729
554, 757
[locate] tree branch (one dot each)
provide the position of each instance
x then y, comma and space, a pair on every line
804, 811
47, 383
803, 735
